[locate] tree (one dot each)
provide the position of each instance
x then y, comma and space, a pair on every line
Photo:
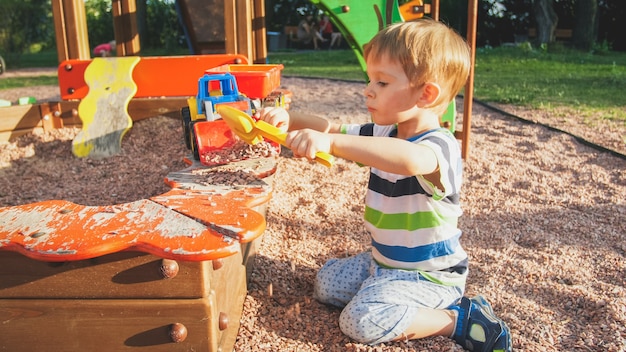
547, 20
157, 23
142, 21
25, 25
99, 21
586, 24
286, 13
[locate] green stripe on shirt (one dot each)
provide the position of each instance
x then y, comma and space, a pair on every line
405, 221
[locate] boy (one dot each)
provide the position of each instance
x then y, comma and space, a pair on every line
411, 284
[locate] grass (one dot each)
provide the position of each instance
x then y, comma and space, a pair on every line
535, 78
336, 64
18, 82
45, 58
545, 80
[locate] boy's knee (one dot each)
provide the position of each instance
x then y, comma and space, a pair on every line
326, 290
321, 290
350, 324
372, 324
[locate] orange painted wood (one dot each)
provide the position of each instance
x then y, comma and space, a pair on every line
155, 76
193, 221
413, 10
59, 230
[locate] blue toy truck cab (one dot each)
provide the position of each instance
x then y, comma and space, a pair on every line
217, 89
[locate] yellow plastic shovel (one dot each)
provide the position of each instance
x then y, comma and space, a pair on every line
253, 132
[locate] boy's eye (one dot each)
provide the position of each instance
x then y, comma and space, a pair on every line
378, 83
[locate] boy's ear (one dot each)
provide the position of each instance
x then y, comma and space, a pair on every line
429, 94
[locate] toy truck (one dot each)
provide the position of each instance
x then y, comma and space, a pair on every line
202, 128
213, 89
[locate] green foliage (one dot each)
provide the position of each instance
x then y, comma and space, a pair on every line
544, 78
99, 21
282, 13
602, 48
162, 27
25, 25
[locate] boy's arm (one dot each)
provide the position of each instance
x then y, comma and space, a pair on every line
299, 121
384, 153
388, 154
295, 120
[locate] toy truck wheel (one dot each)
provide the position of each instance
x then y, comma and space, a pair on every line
194, 142
186, 117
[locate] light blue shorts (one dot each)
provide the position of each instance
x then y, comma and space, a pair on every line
380, 303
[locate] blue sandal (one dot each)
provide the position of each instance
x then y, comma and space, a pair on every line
478, 328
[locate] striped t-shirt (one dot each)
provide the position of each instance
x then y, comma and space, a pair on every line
413, 225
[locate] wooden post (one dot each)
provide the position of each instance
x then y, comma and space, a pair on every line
468, 97
244, 27
259, 33
434, 10
70, 27
243, 14
125, 27
230, 26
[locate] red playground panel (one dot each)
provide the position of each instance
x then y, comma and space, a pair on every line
255, 81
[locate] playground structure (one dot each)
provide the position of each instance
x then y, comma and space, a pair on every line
173, 266
207, 229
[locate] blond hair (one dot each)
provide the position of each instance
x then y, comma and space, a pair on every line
429, 51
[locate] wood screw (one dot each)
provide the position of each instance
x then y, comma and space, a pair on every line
169, 268
178, 332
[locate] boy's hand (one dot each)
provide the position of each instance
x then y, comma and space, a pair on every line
307, 142
276, 116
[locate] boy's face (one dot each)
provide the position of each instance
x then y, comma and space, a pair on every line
390, 98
